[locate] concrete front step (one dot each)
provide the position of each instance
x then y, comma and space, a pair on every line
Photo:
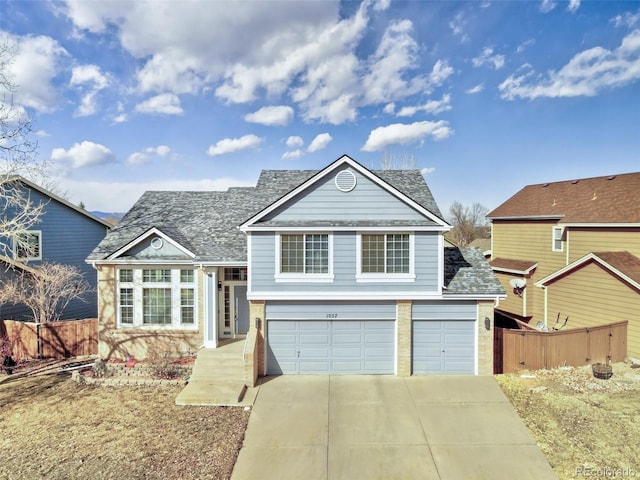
217, 378
219, 394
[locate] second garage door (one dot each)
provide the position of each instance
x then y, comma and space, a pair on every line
331, 346
443, 346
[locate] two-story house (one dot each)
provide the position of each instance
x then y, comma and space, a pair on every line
571, 249
63, 233
342, 270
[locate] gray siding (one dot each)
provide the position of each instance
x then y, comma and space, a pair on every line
351, 310
144, 250
67, 237
263, 267
323, 201
439, 310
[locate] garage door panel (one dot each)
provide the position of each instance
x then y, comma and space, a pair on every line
445, 346
347, 346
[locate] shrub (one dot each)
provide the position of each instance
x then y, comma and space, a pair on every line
99, 369
6, 349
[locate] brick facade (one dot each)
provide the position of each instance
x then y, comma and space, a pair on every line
404, 319
485, 337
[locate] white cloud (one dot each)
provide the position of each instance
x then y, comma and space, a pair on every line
527, 43
165, 104
309, 55
146, 155
230, 145
573, 6
586, 74
90, 80
34, 67
84, 154
294, 142
293, 154
396, 54
271, 116
477, 89
427, 170
88, 74
440, 72
404, 134
320, 142
390, 108
627, 19
41, 133
432, 107
457, 26
487, 56
547, 5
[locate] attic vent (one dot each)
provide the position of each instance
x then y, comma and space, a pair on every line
345, 181
574, 182
545, 185
612, 177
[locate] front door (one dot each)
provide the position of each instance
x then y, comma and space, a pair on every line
234, 309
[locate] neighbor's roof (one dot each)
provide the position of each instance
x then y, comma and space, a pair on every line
623, 264
522, 267
467, 272
34, 186
206, 222
609, 199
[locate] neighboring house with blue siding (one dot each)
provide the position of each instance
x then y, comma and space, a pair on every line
342, 270
63, 233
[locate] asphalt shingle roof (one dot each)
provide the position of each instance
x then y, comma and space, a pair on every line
467, 272
609, 199
206, 222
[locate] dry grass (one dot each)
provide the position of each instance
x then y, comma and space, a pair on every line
53, 428
586, 427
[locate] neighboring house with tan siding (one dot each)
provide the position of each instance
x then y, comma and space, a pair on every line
576, 244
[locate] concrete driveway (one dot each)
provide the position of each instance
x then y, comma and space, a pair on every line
385, 427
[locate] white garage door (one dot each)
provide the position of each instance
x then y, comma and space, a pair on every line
443, 346
338, 346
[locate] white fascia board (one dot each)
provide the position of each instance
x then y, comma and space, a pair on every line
588, 257
528, 217
143, 237
601, 225
513, 271
345, 160
142, 262
368, 296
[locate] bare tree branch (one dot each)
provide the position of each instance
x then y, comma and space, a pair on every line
18, 212
469, 223
46, 290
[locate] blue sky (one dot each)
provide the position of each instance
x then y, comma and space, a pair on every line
485, 97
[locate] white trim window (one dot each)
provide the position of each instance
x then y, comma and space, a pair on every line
557, 245
384, 257
156, 297
28, 245
304, 257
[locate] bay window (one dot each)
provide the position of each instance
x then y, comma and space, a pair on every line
156, 297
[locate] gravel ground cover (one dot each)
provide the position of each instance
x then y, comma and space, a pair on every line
586, 427
54, 428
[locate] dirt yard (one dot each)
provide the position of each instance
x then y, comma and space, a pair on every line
51, 427
586, 427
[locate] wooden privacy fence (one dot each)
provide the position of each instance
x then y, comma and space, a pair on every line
516, 350
64, 339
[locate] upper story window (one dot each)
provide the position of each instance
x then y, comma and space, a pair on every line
382, 257
304, 257
156, 297
557, 245
28, 245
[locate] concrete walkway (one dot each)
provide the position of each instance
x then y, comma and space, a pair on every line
385, 427
217, 378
